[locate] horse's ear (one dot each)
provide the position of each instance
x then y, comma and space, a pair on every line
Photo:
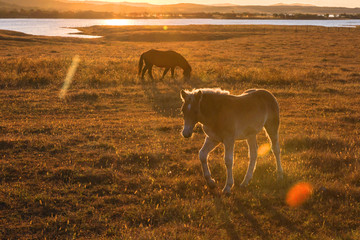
183, 95
198, 95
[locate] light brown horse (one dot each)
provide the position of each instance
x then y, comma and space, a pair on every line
164, 59
226, 118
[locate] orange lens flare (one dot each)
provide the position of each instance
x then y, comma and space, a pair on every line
264, 149
299, 194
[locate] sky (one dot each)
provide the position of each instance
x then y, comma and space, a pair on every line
330, 3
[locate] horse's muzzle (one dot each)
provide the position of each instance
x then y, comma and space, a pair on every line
186, 133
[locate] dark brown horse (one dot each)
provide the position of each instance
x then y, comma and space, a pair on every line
165, 59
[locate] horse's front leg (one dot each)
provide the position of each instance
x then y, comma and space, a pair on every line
165, 72
208, 146
172, 72
150, 72
253, 147
229, 162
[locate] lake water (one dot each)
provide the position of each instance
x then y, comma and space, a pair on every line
66, 27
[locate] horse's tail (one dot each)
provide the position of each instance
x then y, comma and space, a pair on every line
141, 62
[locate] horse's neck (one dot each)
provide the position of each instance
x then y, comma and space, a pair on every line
184, 65
208, 109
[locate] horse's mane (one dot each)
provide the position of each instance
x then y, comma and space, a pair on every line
210, 91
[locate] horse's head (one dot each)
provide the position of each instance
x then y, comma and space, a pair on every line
190, 110
187, 73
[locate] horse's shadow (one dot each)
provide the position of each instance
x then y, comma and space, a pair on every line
229, 225
266, 209
164, 95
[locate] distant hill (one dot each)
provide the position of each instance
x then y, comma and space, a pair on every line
37, 3
8, 6
224, 4
126, 7
147, 5
294, 4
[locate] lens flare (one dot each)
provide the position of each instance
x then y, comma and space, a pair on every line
69, 76
299, 194
264, 149
165, 28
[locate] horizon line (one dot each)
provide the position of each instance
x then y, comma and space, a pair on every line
220, 4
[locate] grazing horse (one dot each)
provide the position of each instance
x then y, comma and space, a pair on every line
164, 59
226, 118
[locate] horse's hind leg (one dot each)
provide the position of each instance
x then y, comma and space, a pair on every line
144, 71
229, 162
208, 146
272, 129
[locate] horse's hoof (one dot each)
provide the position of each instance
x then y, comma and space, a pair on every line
244, 184
211, 183
226, 190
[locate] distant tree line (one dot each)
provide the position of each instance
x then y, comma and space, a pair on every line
298, 16
37, 13
315, 16
351, 16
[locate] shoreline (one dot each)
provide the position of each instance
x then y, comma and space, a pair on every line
173, 33
65, 27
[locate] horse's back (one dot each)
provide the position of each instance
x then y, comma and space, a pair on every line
260, 95
163, 58
155, 54
261, 99
152, 53
248, 101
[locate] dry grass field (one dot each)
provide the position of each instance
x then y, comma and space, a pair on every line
108, 161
